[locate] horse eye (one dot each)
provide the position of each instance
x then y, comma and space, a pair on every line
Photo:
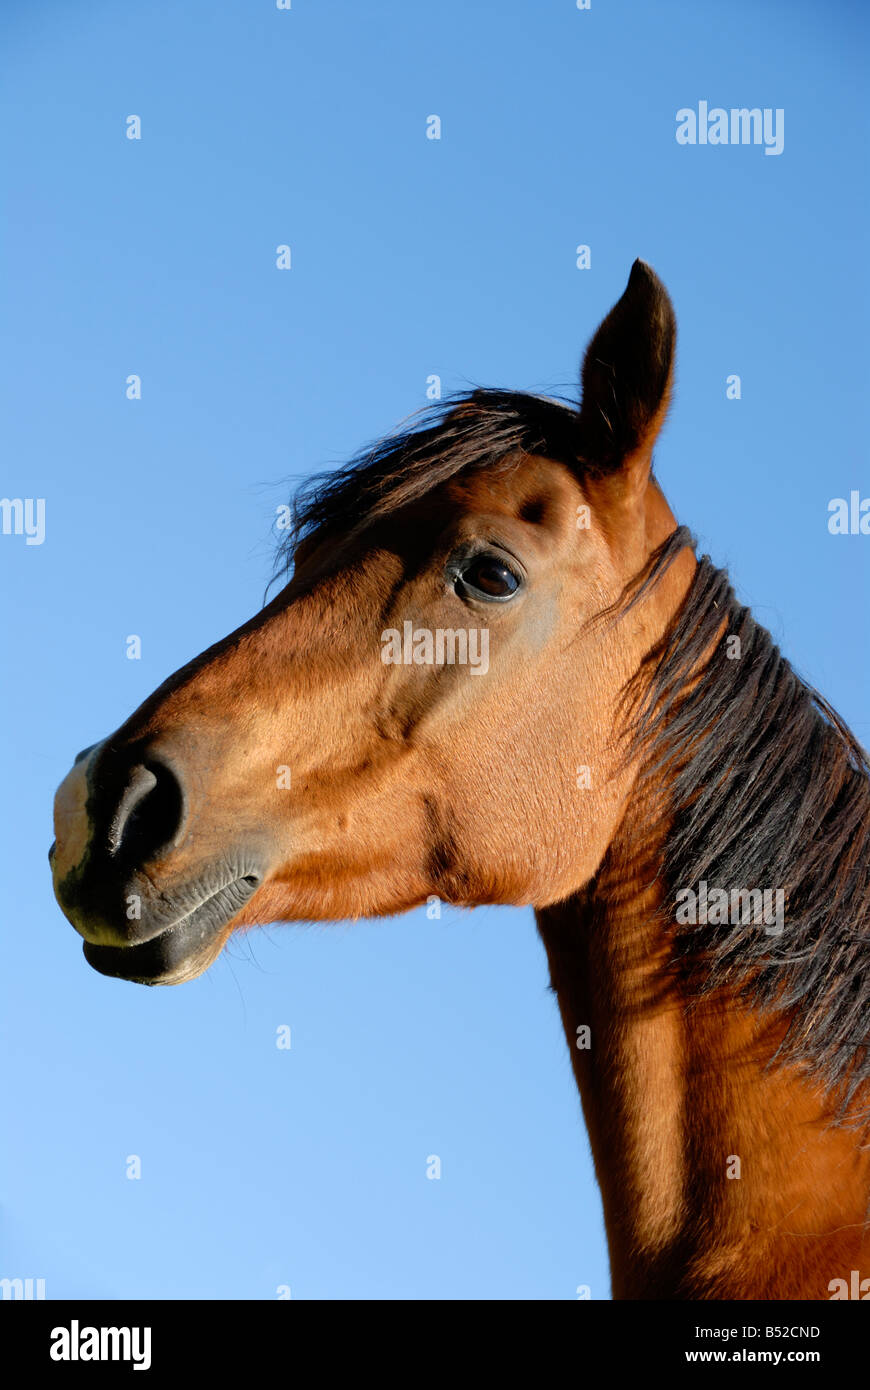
487, 577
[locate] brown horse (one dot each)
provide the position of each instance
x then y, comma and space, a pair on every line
499, 674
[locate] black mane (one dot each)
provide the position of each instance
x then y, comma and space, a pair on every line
462, 433
767, 789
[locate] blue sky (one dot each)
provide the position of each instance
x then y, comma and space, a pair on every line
410, 257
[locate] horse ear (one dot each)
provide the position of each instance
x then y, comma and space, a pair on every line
627, 374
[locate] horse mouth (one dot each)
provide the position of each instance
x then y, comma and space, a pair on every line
181, 951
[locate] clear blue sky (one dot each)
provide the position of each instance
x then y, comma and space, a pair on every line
410, 257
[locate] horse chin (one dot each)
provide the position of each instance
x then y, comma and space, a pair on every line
156, 962
176, 955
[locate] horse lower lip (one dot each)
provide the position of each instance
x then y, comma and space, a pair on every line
179, 949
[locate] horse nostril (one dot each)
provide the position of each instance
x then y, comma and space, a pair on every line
149, 812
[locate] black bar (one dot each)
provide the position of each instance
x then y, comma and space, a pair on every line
241, 1337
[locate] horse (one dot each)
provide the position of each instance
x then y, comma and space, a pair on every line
498, 672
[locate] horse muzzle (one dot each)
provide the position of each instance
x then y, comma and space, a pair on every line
125, 870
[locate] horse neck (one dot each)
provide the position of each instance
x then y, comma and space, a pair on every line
720, 1177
